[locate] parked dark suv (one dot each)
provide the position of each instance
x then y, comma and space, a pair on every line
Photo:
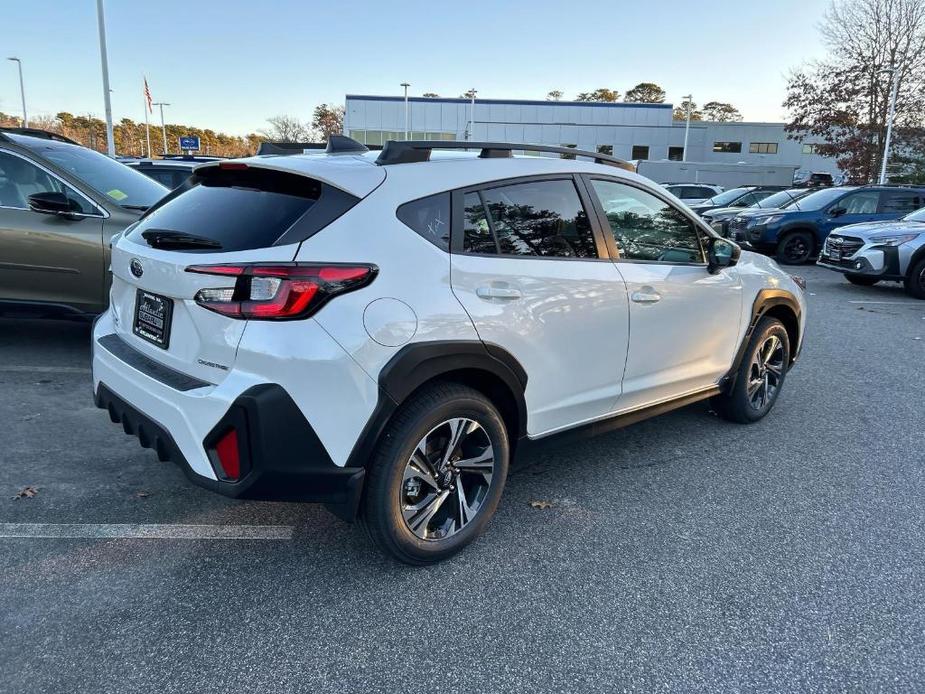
60, 204
795, 234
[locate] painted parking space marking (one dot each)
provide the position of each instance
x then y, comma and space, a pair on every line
893, 303
44, 369
151, 531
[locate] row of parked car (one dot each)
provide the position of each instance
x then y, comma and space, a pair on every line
880, 228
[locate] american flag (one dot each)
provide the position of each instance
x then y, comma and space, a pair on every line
148, 96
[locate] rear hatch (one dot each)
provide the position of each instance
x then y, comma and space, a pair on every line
228, 213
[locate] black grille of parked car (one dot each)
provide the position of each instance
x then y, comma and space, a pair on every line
848, 245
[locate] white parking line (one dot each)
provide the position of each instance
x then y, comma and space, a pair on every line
125, 531
45, 369
894, 303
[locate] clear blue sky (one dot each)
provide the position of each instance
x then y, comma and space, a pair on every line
231, 64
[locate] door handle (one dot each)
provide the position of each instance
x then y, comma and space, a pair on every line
646, 297
508, 293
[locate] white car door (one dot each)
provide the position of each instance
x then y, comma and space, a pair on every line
536, 281
684, 321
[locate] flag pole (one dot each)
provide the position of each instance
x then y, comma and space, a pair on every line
146, 95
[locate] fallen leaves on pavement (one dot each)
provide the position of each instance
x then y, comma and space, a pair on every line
26, 492
541, 504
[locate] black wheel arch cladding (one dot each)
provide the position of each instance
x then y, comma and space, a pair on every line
486, 367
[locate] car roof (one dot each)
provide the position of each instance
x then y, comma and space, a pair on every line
359, 174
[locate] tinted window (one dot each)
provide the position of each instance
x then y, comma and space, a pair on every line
902, 201
20, 178
640, 152
541, 218
429, 217
727, 147
818, 199
859, 203
728, 197
241, 209
645, 227
477, 236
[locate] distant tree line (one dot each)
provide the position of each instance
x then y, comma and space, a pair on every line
130, 137
642, 93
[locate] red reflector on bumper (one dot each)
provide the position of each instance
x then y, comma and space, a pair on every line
226, 448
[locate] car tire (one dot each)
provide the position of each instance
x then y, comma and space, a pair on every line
411, 470
795, 248
763, 370
862, 280
915, 280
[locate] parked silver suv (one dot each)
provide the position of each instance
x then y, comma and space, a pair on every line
871, 252
60, 204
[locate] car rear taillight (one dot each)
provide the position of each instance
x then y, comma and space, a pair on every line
280, 291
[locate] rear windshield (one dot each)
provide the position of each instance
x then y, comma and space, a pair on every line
235, 209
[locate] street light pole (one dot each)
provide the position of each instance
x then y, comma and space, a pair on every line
472, 93
894, 70
162, 104
104, 60
22, 93
687, 126
406, 85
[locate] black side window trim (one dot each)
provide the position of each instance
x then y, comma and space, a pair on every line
457, 207
701, 228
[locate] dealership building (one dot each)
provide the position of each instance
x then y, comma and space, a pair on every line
626, 130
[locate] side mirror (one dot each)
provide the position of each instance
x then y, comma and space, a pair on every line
837, 211
721, 253
51, 203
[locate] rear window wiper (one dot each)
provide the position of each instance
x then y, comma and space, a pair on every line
175, 240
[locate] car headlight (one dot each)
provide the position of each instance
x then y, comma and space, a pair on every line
764, 221
892, 239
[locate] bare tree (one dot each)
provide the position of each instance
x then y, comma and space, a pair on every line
285, 128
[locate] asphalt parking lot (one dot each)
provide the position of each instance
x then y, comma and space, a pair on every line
682, 554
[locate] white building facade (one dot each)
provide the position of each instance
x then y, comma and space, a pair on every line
626, 130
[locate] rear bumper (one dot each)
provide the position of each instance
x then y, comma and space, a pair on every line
284, 459
291, 442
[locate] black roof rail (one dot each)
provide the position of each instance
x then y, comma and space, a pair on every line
36, 132
410, 151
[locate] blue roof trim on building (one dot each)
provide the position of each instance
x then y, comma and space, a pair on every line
510, 102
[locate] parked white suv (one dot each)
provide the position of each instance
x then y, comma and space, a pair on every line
380, 333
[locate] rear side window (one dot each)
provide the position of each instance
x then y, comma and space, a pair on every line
243, 209
430, 218
538, 218
902, 201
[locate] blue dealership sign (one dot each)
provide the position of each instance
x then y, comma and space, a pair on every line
189, 142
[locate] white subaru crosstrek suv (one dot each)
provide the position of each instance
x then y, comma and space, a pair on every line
379, 333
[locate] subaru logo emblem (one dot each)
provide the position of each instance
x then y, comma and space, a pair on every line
136, 268
838, 241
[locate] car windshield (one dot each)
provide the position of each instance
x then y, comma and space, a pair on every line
120, 183
777, 200
818, 200
728, 197
917, 216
